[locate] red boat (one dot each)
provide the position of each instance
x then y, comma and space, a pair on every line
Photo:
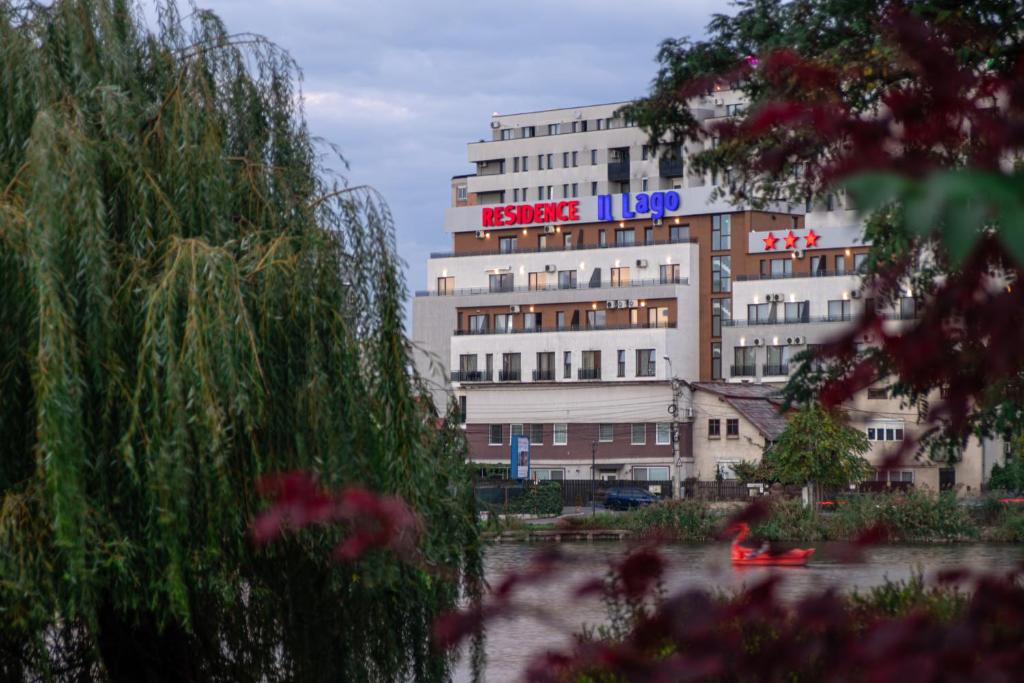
749, 557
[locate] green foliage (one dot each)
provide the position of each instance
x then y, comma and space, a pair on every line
1008, 477
910, 596
915, 516
190, 300
542, 498
790, 520
685, 520
817, 446
754, 472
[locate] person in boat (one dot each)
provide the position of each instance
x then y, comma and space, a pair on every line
760, 550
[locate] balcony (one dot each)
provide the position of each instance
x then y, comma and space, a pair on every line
554, 287
775, 370
671, 167
782, 321
508, 375
471, 376
640, 326
543, 375
494, 251
790, 276
743, 371
618, 171
588, 373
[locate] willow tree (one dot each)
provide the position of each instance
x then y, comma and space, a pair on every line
190, 299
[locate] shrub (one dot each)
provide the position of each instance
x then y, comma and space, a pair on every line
683, 520
1008, 477
542, 498
790, 521
915, 516
901, 598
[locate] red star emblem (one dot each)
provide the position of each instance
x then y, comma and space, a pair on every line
769, 241
811, 240
790, 240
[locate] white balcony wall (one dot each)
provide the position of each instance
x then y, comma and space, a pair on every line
569, 402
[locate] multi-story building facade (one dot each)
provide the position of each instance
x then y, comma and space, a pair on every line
589, 275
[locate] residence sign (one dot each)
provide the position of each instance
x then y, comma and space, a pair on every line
652, 204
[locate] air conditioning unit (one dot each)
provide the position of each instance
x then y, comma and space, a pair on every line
633, 303
483, 164
480, 234
495, 124
798, 340
514, 308
641, 263
719, 102
789, 340
551, 268
549, 230
622, 303
610, 304
855, 294
658, 221
777, 297
758, 341
799, 253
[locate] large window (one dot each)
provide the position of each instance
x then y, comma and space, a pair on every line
537, 280
714, 428
591, 365
606, 432
515, 430
559, 434
510, 367
882, 430
567, 365
744, 359
839, 309
721, 232
721, 314
678, 233
536, 435
477, 324
596, 319
501, 282
620, 277
650, 474
638, 435
663, 433
781, 268
567, 279
494, 436
657, 316
840, 265
716, 360
545, 366
621, 362
507, 245
669, 273
467, 363
533, 321
860, 263
819, 266
778, 361
625, 237
732, 428
548, 474
645, 366
797, 311
446, 286
503, 322
760, 314
721, 273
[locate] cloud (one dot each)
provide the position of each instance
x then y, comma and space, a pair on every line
356, 107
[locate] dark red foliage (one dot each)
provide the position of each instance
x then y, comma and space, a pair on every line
299, 501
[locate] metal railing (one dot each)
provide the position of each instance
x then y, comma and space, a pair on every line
588, 373
543, 375
800, 321
509, 375
618, 170
791, 276
567, 328
743, 370
559, 247
472, 375
554, 287
775, 370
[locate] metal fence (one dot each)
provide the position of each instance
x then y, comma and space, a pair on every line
579, 492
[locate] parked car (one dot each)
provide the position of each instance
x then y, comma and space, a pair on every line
623, 499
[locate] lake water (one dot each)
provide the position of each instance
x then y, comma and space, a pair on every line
512, 642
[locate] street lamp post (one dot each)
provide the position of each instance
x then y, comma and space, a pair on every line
593, 476
673, 410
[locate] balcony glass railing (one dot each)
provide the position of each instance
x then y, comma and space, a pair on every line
543, 375
797, 321
790, 276
494, 251
555, 286
508, 375
775, 369
471, 376
588, 373
570, 328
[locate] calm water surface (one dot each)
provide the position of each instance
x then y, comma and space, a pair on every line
510, 643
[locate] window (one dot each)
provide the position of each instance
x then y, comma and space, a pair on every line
575, 189
744, 360
559, 434
716, 360
510, 367
838, 309
567, 279
515, 430
605, 433
678, 233
625, 237
445, 286
565, 190
645, 363
669, 273
732, 428
540, 192
551, 161
500, 282
648, 235
819, 266
567, 365
554, 128
621, 363
494, 436
560, 320
526, 167
575, 159
591, 365
895, 476
645, 152
725, 470
593, 158
721, 273
620, 277
657, 316
840, 265
644, 184
782, 267
797, 311
506, 134
593, 189
721, 313
877, 394
714, 428
515, 194
638, 435
567, 240
663, 434
478, 323
507, 245
537, 280
467, 362
596, 319
565, 160
540, 164
650, 474
548, 474
533, 321
885, 430
760, 314
860, 263
602, 238
460, 193
549, 192
545, 366
721, 232
489, 365
536, 434
503, 322
462, 410
515, 164
908, 307
528, 131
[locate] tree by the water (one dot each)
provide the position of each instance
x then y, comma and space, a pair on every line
190, 299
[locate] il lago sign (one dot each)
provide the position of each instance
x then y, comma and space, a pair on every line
641, 205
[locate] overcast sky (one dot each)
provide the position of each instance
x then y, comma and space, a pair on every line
402, 85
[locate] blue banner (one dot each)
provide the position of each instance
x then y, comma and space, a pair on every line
520, 457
